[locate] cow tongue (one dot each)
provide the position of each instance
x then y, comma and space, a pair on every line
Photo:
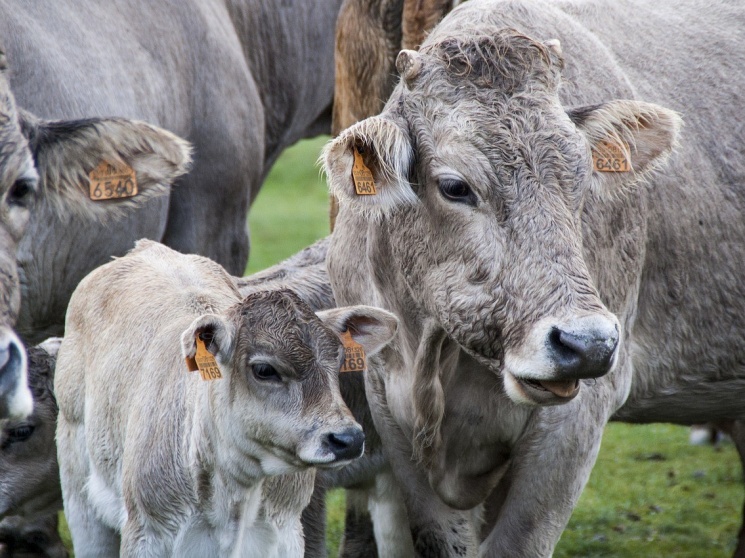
564, 388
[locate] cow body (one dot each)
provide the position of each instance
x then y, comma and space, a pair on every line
242, 80
539, 297
172, 464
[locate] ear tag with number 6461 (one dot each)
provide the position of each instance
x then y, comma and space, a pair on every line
364, 184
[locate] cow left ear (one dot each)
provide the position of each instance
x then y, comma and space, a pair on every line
367, 166
627, 138
216, 333
71, 156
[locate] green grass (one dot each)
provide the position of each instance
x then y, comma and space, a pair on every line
650, 494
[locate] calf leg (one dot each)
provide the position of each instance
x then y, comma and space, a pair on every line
389, 517
738, 437
314, 522
90, 536
359, 538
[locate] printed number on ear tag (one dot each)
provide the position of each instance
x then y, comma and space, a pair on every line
110, 181
354, 354
204, 362
364, 184
610, 157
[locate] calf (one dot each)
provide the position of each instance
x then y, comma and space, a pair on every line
156, 461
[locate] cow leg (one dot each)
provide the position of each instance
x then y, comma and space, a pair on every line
389, 518
738, 437
359, 537
549, 468
90, 536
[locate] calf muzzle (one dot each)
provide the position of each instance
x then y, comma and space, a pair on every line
345, 444
584, 350
15, 396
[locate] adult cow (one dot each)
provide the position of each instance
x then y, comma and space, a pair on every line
241, 79
538, 294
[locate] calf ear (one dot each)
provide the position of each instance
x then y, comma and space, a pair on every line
372, 328
379, 145
216, 333
627, 139
65, 153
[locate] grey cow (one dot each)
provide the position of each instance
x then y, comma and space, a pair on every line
163, 463
240, 79
539, 295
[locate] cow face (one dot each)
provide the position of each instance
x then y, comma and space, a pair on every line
481, 179
281, 390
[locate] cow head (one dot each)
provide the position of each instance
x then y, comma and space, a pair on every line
279, 400
45, 169
481, 179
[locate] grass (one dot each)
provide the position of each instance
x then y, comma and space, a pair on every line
650, 494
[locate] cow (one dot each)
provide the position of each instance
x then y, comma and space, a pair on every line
30, 493
160, 462
553, 258
240, 79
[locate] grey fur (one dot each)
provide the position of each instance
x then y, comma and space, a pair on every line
657, 251
161, 463
240, 79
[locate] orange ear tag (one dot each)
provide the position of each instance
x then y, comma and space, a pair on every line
610, 157
364, 184
354, 354
204, 362
110, 181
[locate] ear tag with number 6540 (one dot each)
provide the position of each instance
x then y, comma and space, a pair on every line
110, 181
364, 184
204, 361
354, 354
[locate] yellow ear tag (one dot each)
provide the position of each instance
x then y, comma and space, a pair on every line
354, 354
610, 157
364, 184
204, 362
111, 181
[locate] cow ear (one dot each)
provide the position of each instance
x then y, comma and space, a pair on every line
627, 138
372, 328
217, 334
67, 152
379, 146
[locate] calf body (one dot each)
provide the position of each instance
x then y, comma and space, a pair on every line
172, 464
520, 269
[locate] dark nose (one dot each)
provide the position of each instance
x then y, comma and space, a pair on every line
582, 353
346, 444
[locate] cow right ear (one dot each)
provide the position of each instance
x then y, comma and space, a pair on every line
368, 165
217, 334
70, 155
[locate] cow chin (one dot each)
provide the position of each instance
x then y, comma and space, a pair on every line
537, 392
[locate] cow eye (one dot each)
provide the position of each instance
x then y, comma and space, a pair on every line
457, 191
265, 372
20, 433
21, 192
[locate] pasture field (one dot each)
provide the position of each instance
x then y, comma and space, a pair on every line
650, 494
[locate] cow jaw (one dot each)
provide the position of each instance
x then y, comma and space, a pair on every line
540, 392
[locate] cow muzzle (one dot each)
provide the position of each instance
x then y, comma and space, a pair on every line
548, 367
15, 396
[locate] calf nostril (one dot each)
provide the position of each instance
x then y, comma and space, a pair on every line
346, 444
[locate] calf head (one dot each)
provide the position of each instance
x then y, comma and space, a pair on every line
482, 177
279, 401
29, 474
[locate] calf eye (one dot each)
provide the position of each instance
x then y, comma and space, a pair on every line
20, 433
21, 191
457, 191
265, 372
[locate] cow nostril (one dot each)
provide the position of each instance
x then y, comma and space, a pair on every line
582, 354
346, 444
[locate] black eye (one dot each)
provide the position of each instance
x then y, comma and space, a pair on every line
21, 192
457, 191
20, 433
265, 372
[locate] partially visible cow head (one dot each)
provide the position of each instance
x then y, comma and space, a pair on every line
280, 392
49, 163
481, 176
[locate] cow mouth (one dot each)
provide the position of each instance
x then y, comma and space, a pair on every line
549, 392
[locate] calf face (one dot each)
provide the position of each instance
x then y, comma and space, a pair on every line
29, 475
481, 179
281, 387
